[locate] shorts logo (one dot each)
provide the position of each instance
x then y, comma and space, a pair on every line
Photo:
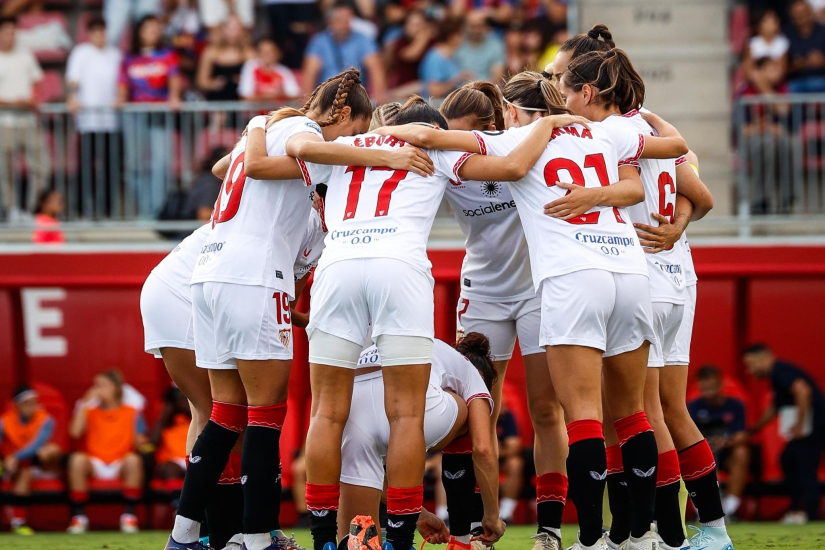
467, 282
279, 275
283, 336
491, 188
597, 476
194, 459
640, 473
395, 525
456, 475
319, 513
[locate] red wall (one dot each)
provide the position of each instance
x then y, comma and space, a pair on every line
82, 314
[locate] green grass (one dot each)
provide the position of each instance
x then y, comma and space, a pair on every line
746, 536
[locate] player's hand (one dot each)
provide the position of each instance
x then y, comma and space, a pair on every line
432, 528
576, 202
656, 239
411, 159
559, 121
493, 530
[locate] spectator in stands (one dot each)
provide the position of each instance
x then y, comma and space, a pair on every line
721, 419
49, 207
806, 50
219, 67
149, 73
217, 12
500, 12
291, 23
120, 13
768, 41
515, 59
169, 439
200, 200
440, 72
182, 28
403, 55
110, 432
19, 131
511, 458
800, 407
338, 48
264, 78
25, 442
482, 52
91, 79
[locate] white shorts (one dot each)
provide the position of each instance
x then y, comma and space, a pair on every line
367, 433
215, 12
167, 317
598, 309
240, 322
667, 318
349, 294
680, 350
500, 323
105, 471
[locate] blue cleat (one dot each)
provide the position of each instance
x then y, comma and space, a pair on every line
172, 544
710, 538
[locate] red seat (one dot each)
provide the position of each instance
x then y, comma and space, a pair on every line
31, 20
50, 89
105, 485
48, 485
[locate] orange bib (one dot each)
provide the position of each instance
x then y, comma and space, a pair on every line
110, 433
16, 434
173, 440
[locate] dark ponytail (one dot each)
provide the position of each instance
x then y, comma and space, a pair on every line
597, 39
342, 90
476, 348
614, 76
531, 91
478, 99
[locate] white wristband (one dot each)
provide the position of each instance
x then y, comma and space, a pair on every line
257, 122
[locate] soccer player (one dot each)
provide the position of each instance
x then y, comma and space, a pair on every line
498, 300
458, 402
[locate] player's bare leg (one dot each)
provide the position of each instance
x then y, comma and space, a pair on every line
357, 501
405, 394
549, 448
78, 472
194, 383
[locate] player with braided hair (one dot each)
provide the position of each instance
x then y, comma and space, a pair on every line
241, 288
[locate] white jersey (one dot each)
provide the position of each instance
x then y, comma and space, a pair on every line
667, 276
687, 261
383, 213
450, 371
176, 268
257, 225
496, 267
601, 238
311, 246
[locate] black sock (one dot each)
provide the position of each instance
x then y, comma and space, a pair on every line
401, 530
669, 515
698, 469
261, 479
224, 514
617, 498
129, 505
640, 457
587, 470
207, 461
458, 477
324, 528
478, 512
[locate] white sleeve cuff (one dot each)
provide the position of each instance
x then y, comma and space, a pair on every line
257, 122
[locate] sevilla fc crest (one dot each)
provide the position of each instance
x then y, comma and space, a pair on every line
284, 335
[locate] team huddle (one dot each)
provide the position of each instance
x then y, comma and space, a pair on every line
573, 201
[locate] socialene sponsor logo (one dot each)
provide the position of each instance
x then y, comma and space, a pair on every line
489, 208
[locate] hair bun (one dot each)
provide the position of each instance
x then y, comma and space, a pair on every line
593, 33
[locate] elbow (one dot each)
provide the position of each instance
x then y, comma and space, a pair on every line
637, 195
683, 147
252, 168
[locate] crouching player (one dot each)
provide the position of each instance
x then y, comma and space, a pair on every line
458, 403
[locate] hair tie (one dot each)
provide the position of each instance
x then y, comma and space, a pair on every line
546, 75
593, 34
609, 54
538, 85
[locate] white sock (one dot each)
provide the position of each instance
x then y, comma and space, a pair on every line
257, 541
506, 508
186, 530
715, 523
475, 525
441, 512
730, 504
464, 538
552, 530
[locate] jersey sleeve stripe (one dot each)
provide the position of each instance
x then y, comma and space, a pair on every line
482, 146
681, 160
459, 163
304, 172
482, 396
641, 148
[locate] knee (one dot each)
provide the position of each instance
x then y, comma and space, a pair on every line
546, 414
741, 455
132, 462
78, 462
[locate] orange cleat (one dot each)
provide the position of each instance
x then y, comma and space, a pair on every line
454, 544
363, 534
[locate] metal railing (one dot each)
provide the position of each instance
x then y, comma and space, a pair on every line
118, 165
780, 145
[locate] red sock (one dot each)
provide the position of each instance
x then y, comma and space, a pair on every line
405, 500
696, 461
232, 471
131, 493
269, 416
322, 497
579, 430
78, 497
668, 471
551, 486
230, 416
631, 426
614, 460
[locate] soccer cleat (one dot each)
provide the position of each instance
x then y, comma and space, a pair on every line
610, 544
235, 543
455, 544
78, 525
710, 538
22, 530
795, 518
598, 545
287, 542
478, 545
364, 534
684, 546
172, 544
546, 541
129, 524
648, 541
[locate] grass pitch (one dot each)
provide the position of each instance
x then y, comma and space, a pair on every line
746, 536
